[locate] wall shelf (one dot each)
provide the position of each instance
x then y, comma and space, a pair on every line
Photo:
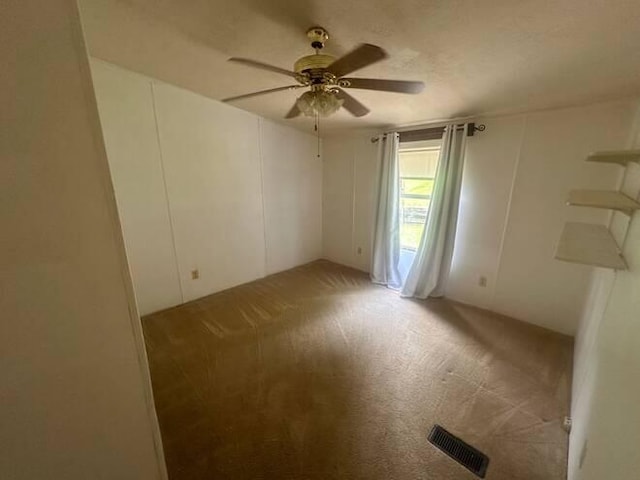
621, 157
589, 244
610, 199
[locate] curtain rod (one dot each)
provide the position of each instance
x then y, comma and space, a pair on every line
473, 128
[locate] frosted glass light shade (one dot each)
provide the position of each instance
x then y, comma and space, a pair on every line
321, 102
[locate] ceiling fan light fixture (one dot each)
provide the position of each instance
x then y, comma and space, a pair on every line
324, 76
319, 102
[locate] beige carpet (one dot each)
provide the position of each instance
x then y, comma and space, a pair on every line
315, 373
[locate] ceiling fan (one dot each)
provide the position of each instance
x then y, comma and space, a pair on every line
324, 76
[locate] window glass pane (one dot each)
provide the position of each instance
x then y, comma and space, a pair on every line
416, 186
413, 213
417, 171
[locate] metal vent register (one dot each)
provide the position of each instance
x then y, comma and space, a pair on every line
463, 453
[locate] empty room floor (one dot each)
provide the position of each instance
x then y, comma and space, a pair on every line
315, 373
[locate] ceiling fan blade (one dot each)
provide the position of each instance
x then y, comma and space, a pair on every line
353, 106
263, 66
294, 112
262, 92
399, 86
365, 54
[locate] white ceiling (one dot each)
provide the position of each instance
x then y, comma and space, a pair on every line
476, 57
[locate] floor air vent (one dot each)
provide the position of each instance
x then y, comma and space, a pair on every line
460, 451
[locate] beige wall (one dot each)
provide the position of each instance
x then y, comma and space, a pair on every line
292, 196
516, 178
529, 284
349, 175
128, 118
76, 400
203, 185
606, 391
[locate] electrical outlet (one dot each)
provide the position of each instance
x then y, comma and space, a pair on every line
482, 281
566, 424
195, 274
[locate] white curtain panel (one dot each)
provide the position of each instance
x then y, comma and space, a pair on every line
386, 233
429, 271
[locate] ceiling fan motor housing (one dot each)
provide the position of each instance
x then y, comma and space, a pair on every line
313, 62
310, 69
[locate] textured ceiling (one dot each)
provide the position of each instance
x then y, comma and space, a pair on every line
476, 57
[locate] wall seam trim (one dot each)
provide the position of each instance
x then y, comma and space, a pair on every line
264, 211
508, 211
166, 190
352, 256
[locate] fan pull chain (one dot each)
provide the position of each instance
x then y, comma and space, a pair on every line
317, 129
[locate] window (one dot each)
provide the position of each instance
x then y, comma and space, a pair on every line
418, 163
